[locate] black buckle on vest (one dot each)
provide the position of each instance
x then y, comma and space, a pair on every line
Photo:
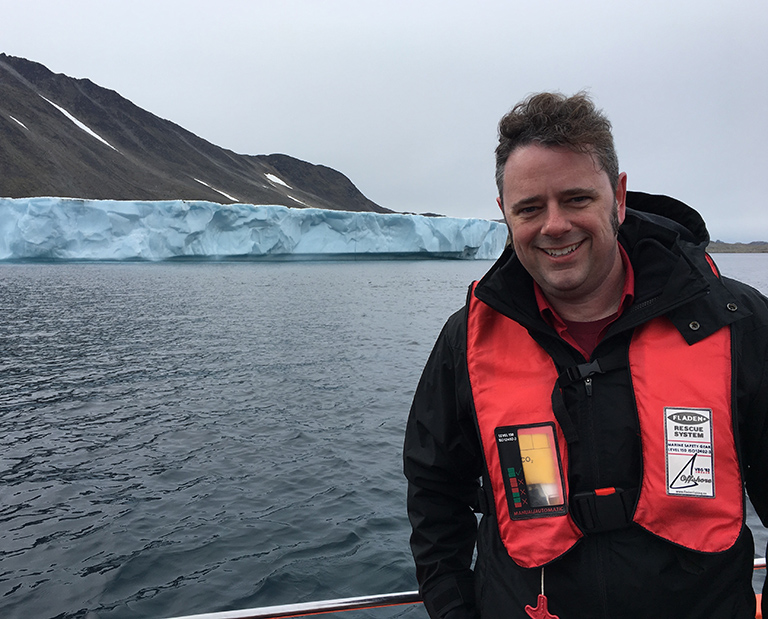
615, 360
583, 370
605, 509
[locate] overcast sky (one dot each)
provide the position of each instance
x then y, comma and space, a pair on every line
403, 96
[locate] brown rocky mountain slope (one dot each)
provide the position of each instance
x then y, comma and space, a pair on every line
67, 137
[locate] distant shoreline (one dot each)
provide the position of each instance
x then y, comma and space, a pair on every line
755, 247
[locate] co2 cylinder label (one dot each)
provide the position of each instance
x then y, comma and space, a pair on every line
532, 471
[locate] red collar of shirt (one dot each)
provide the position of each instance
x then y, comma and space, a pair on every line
552, 318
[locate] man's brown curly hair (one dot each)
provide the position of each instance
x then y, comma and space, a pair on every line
552, 119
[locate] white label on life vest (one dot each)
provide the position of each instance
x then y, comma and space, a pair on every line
688, 433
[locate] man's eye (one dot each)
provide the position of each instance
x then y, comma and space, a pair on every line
528, 210
579, 199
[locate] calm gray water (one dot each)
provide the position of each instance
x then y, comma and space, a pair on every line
190, 437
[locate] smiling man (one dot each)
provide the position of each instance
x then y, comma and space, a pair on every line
561, 401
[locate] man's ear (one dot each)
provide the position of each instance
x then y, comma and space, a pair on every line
621, 197
501, 206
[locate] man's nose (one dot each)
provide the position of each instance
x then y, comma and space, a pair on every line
556, 222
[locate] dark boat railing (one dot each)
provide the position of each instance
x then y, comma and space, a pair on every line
331, 606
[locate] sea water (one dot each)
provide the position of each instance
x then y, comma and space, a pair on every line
182, 438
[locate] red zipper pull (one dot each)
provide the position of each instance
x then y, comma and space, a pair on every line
541, 611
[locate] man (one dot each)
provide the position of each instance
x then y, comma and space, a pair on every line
609, 390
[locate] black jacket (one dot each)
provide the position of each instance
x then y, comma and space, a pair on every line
620, 573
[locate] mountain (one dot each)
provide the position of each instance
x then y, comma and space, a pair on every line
721, 247
67, 137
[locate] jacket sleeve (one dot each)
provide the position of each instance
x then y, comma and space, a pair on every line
752, 400
442, 461
753, 434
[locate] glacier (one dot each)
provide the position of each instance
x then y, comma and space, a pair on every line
76, 229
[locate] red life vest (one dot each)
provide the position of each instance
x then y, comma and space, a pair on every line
691, 492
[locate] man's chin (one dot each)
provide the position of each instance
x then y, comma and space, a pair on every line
565, 288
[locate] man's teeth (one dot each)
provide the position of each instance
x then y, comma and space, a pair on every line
563, 251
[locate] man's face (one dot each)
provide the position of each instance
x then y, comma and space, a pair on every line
563, 215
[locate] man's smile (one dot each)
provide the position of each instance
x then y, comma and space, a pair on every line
562, 251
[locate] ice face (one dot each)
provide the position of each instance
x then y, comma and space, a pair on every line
71, 229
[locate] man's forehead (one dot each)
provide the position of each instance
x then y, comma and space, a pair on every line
533, 167
541, 154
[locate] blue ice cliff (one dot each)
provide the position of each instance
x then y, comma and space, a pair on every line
72, 229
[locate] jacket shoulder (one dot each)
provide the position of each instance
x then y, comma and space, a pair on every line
454, 331
748, 294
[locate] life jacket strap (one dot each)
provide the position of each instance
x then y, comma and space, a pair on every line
583, 370
614, 360
604, 509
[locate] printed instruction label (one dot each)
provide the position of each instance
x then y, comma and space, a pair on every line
688, 434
